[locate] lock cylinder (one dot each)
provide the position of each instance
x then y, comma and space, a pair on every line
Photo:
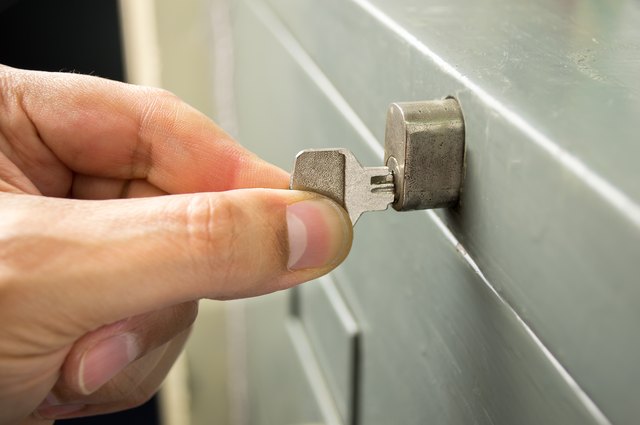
424, 149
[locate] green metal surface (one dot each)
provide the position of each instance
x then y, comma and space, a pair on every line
520, 305
280, 391
334, 337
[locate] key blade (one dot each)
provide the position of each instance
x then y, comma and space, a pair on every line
366, 188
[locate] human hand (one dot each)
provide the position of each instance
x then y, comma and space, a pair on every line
107, 241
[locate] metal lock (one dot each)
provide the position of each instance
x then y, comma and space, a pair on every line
424, 149
424, 159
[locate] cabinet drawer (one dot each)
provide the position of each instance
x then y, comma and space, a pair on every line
519, 305
334, 337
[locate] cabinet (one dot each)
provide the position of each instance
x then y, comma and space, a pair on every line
520, 305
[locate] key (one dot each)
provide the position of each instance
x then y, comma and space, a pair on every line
337, 174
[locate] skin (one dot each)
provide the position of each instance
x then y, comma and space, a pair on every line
121, 206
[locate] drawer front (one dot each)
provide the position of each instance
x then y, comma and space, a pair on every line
282, 373
333, 335
519, 305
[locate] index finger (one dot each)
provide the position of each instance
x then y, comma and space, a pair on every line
108, 129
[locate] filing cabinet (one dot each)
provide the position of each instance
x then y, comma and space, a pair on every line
518, 305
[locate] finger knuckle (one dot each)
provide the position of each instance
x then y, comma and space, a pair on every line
215, 226
243, 240
159, 117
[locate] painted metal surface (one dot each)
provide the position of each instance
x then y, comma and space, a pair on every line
333, 335
283, 387
520, 305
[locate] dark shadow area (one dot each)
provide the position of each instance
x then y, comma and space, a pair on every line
147, 414
65, 35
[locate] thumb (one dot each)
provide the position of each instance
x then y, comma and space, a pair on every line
97, 262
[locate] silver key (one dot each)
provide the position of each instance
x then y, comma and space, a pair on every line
337, 174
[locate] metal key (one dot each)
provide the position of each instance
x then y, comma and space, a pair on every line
337, 174
423, 154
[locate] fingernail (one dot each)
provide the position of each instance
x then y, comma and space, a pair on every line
319, 234
105, 360
54, 412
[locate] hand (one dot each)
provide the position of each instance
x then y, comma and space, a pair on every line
120, 207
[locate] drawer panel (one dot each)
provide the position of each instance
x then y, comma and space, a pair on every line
334, 337
281, 389
549, 211
438, 342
